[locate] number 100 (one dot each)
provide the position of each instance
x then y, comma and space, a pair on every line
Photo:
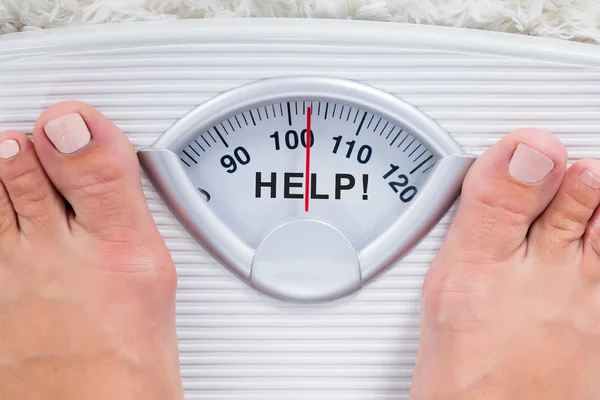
291, 139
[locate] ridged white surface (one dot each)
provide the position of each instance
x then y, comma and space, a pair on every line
236, 343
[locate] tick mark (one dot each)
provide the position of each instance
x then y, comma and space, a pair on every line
398, 134
417, 159
326, 108
413, 152
428, 168
383, 129
390, 133
231, 125
341, 112
222, 126
245, 120
252, 116
410, 144
221, 137
415, 169
401, 131
274, 113
289, 114
371, 120
281, 108
391, 130
194, 150
296, 105
303, 107
349, 111
185, 162
378, 122
211, 136
319, 109
333, 112
406, 137
362, 121
199, 145
238, 122
205, 141
356, 116
191, 158
259, 116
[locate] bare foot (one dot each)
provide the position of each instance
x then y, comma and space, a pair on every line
86, 291
511, 304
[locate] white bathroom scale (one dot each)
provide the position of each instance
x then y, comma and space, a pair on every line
303, 173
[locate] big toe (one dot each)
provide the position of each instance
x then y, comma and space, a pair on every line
506, 189
94, 166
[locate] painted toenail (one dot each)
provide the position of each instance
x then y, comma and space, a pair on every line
9, 148
68, 133
528, 165
590, 179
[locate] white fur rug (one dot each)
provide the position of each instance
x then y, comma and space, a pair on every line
567, 19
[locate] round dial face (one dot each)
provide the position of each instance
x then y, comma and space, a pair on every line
307, 187
260, 169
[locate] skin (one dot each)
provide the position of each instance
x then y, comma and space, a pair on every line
511, 304
87, 292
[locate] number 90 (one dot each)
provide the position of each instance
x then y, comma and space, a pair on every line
240, 155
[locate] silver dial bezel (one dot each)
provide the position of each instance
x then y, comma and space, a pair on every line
163, 167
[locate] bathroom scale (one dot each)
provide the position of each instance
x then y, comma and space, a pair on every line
304, 173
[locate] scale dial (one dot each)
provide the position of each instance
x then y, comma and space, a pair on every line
301, 216
363, 170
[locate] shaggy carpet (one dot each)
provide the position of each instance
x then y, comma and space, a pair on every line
576, 20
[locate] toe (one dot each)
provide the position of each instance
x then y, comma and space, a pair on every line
39, 209
94, 166
565, 221
591, 239
506, 189
8, 217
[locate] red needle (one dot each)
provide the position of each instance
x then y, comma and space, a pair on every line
307, 174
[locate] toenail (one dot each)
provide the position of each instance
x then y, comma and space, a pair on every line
590, 179
528, 165
9, 148
68, 133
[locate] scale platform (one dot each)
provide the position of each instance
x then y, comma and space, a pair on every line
235, 341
